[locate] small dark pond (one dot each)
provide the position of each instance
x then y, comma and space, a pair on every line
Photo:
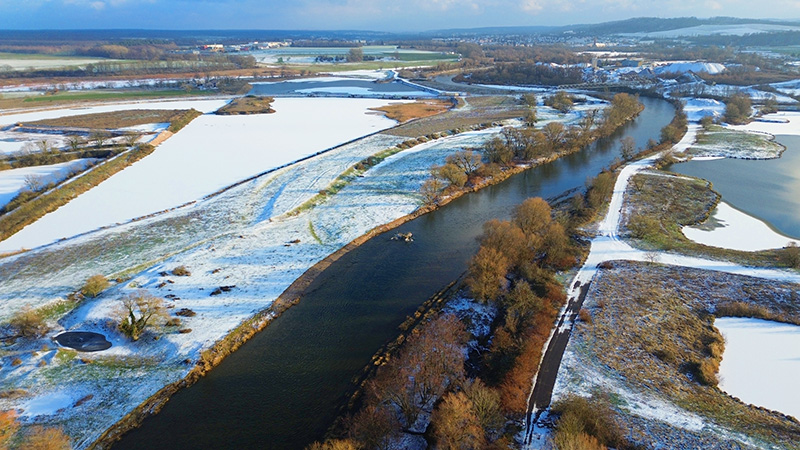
83, 341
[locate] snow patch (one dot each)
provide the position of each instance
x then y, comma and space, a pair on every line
730, 228
761, 363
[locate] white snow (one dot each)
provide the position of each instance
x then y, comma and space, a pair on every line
47, 404
697, 108
784, 122
736, 230
708, 30
212, 152
690, 66
761, 363
360, 91
202, 105
13, 181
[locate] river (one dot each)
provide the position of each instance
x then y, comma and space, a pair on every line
767, 189
282, 388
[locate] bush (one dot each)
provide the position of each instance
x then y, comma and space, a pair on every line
95, 285
29, 323
181, 271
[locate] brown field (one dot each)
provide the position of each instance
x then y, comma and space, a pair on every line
479, 110
112, 120
403, 112
248, 105
652, 328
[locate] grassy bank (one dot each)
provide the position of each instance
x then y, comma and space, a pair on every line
650, 328
661, 203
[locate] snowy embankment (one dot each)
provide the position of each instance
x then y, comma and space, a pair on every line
14, 181
733, 229
212, 152
761, 363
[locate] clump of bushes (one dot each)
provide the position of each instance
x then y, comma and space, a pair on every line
29, 323
95, 285
181, 271
137, 311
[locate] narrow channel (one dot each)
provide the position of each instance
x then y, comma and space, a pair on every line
280, 390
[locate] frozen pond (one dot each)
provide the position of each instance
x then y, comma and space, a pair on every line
730, 228
761, 363
339, 86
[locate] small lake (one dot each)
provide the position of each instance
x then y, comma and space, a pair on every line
339, 87
766, 189
761, 363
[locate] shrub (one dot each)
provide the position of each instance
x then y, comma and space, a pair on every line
585, 316
29, 323
95, 285
41, 438
181, 271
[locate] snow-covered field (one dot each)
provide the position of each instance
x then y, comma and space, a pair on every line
14, 181
730, 228
255, 249
210, 153
784, 122
761, 363
202, 105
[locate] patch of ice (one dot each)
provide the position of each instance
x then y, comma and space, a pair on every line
45, 405
784, 122
736, 230
761, 363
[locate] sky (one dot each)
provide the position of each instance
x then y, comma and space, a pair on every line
376, 15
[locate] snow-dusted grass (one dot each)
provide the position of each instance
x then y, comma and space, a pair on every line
210, 153
735, 143
761, 363
730, 228
254, 249
14, 181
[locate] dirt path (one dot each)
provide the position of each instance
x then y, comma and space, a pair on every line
607, 246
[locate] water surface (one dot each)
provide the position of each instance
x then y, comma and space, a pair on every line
767, 189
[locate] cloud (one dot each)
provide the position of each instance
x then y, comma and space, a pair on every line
98, 6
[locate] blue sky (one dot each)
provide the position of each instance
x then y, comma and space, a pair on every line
379, 15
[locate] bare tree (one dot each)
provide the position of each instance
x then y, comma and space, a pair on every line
131, 139
628, 148
34, 183
137, 311
466, 160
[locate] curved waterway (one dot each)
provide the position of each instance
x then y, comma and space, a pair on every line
767, 189
282, 388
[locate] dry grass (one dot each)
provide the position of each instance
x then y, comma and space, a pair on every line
112, 120
655, 333
403, 112
481, 110
661, 205
249, 104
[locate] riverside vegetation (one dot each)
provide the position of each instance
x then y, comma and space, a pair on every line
477, 402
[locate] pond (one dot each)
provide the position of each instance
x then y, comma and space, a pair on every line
761, 363
341, 86
766, 189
